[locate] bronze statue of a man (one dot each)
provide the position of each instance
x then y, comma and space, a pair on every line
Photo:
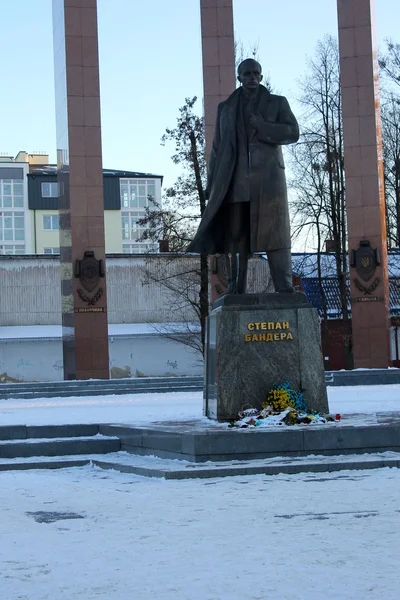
247, 211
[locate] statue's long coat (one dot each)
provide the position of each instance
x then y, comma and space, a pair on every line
261, 171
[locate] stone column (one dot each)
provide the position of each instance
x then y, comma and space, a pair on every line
80, 179
219, 81
218, 59
364, 176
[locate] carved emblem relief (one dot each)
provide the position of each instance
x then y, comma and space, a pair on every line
89, 270
365, 260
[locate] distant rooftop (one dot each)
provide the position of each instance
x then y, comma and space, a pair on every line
305, 267
305, 264
37, 157
132, 174
39, 163
52, 170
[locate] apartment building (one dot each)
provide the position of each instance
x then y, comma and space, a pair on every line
29, 222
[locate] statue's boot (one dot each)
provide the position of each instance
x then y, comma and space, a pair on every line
242, 274
231, 273
280, 266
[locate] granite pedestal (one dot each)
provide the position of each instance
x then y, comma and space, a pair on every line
257, 341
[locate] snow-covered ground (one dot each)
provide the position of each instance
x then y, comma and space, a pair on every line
144, 408
299, 537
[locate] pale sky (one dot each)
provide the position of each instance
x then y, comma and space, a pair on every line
150, 60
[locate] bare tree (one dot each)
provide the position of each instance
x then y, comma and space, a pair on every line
390, 111
310, 208
318, 170
178, 275
389, 63
175, 223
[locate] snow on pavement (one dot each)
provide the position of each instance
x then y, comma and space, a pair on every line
298, 537
129, 409
144, 408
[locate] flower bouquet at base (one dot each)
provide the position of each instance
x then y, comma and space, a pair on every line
283, 406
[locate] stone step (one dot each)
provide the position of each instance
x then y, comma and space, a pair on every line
102, 387
24, 432
58, 447
170, 469
101, 383
363, 377
98, 391
41, 463
312, 464
329, 378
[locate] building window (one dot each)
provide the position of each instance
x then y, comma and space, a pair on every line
12, 222
50, 189
12, 249
51, 222
11, 193
51, 250
136, 193
130, 228
12, 226
136, 196
139, 248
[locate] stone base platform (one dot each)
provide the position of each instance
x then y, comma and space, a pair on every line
206, 450
254, 342
198, 441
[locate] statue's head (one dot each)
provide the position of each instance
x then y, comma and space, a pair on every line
250, 74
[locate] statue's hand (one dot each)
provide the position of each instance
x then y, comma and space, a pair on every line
256, 120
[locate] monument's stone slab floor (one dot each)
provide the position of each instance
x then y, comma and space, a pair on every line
197, 441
